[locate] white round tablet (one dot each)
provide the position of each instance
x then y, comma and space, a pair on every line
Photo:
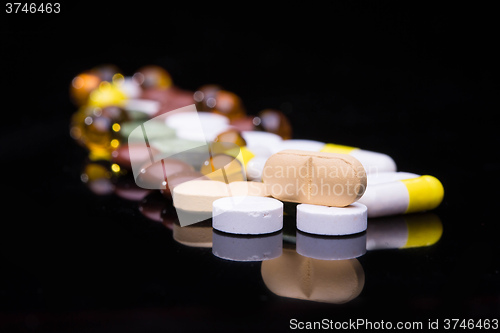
333, 221
247, 215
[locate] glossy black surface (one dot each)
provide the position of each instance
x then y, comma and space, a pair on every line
415, 83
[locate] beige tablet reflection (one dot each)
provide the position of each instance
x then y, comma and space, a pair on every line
328, 281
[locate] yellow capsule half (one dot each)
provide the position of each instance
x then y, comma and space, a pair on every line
425, 192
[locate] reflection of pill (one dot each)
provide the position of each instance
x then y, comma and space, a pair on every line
152, 206
126, 188
403, 231
247, 248
247, 215
330, 281
331, 247
197, 235
403, 196
322, 220
315, 178
372, 161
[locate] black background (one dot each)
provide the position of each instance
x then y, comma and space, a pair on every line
415, 81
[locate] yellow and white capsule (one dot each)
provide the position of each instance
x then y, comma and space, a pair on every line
262, 145
373, 162
403, 231
400, 193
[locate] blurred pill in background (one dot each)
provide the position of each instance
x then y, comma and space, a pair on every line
205, 96
261, 143
196, 235
274, 121
197, 126
213, 98
242, 124
157, 85
100, 131
231, 135
153, 77
155, 175
228, 104
121, 155
224, 168
106, 72
81, 87
100, 176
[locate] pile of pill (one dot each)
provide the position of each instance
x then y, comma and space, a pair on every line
219, 163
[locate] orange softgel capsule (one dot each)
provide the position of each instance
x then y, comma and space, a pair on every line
274, 121
205, 96
231, 136
152, 77
229, 105
81, 87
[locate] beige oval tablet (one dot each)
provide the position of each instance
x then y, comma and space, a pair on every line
199, 195
315, 178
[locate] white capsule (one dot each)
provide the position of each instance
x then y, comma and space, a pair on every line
402, 196
372, 162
